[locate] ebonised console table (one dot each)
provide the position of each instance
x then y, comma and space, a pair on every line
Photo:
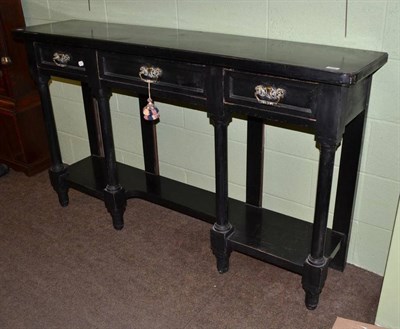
323, 90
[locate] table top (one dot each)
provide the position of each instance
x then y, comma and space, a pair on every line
313, 62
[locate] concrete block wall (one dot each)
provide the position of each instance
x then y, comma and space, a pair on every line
186, 137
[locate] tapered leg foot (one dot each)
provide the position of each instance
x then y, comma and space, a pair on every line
58, 179
311, 301
63, 199
315, 272
118, 220
222, 263
220, 246
115, 201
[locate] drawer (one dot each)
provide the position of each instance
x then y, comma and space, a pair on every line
62, 58
175, 77
270, 94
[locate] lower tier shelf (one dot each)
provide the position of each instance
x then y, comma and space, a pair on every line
261, 233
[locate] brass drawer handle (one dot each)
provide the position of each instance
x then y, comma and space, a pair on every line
150, 74
61, 59
5, 60
269, 94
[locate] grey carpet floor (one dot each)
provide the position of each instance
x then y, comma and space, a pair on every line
68, 268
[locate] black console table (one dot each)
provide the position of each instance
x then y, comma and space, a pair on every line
320, 89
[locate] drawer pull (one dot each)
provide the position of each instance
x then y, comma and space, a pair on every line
5, 60
269, 94
61, 59
150, 74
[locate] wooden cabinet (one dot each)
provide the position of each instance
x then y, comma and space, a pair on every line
23, 144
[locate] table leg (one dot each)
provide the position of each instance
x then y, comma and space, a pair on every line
222, 228
254, 174
92, 121
315, 267
255, 161
347, 182
114, 193
58, 171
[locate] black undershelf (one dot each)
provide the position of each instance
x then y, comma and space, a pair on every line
267, 235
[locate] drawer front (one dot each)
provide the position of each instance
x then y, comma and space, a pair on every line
167, 76
271, 94
62, 58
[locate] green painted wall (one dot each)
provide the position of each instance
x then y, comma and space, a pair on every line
388, 315
291, 157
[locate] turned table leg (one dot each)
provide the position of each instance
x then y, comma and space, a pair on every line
222, 228
315, 268
114, 193
58, 171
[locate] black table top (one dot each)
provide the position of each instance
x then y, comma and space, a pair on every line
313, 62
